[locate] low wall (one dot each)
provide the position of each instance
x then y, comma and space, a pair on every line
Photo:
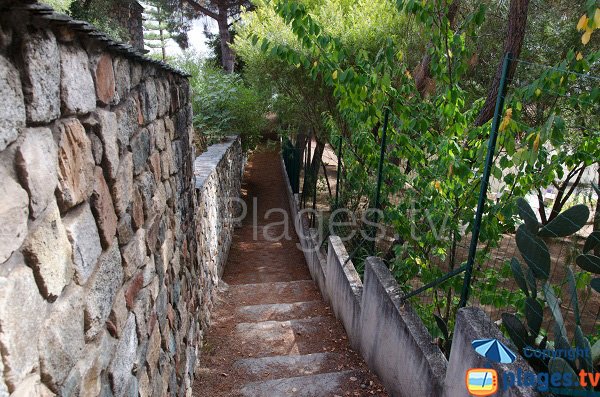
471, 324
388, 333
106, 274
218, 174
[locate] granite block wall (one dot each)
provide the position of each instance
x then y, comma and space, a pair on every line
101, 275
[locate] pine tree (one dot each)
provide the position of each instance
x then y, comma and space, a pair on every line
156, 28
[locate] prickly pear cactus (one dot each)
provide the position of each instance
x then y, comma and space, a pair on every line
535, 253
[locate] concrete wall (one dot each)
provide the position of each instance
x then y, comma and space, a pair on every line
471, 324
394, 341
104, 267
387, 332
345, 290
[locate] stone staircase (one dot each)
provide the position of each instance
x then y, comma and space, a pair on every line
289, 344
272, 335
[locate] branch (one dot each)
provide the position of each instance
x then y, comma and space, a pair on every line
200, 8
542, 209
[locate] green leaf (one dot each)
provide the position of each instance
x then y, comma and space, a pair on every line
588, 262
441, 325
265, 45
567, 222
516, 330
583, 344
517, 271
573, 292
557, 365
534, 252
561, 342
532, 283
535, 315
596, 352
595, 284
592, 241
527, 215
554, 307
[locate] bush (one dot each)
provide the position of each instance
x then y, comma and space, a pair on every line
223, 104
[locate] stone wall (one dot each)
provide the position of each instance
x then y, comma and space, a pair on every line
218, 182
100, 271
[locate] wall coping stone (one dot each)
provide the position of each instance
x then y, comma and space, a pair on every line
87, 30
207, 162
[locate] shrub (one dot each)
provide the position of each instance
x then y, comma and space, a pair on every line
223, 103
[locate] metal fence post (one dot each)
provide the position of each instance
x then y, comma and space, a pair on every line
484, 182
381, 157
339, 170
380, 172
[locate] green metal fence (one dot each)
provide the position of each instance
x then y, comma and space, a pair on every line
482, 275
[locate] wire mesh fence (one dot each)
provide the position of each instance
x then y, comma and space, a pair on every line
421, 216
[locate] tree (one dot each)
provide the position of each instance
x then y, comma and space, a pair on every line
59, 5
101, 13
435, 148
515, 34
213, 42
156, 32
221, 11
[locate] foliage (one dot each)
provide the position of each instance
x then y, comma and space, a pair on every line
97, 12
213, 42
533, 280
222, 103
357, 56
59, 5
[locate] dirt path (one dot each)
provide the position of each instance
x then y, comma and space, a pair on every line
272, 335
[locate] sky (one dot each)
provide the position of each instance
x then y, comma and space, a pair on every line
196, 39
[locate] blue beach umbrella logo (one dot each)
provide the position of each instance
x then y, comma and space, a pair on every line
494, 350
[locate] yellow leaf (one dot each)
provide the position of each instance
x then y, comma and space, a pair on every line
562, 79
597, 18
407, 73
334, 75
506, 119
315, 64
536, 143
538, 92
582, 22
586, 36
438, 186
579, 56
500, 217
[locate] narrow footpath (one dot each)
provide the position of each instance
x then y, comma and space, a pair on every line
271, 334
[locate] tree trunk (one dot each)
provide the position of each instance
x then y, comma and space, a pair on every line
422, 73
312, 171
163, 44
517, 22
227, 57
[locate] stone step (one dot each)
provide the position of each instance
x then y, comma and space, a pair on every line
270, 338
276, 367
277, 292
320, 385
282, 311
